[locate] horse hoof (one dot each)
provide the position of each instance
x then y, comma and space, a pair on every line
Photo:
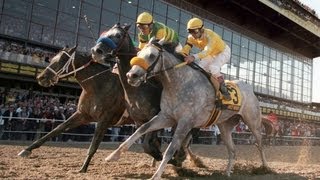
82, 171
113, 157
24, 153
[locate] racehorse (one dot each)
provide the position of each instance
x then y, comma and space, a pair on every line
271, 130
143, 102
101, 100
187, 101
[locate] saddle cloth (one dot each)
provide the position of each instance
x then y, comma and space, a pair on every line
236, 97
234, 104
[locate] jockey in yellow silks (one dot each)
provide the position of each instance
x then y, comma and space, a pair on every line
214, 52
150, 28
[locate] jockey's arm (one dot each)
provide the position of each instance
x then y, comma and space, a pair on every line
142, 43
188, 46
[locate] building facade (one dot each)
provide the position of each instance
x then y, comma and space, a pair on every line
272, 71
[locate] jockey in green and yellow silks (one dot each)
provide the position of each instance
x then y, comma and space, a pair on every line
150, 28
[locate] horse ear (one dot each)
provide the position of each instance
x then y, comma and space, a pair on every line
116, 25
126, 27
73, 49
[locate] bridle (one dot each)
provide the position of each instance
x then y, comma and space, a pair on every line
150, 70
64, 71
116, 51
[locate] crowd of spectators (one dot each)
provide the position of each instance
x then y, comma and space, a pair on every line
28, 115
38, 54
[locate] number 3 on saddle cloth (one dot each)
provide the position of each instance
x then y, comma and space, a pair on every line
236, 97
234, 104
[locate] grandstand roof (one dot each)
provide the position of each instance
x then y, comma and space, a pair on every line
286, 23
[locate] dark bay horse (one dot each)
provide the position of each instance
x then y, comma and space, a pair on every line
187, 101
101, 100
142, 102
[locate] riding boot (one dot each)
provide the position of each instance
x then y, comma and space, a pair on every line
223, 89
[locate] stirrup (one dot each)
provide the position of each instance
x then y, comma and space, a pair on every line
226, 97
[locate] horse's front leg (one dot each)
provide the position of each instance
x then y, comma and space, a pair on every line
102, 126
182, 130
157, 122
73, 121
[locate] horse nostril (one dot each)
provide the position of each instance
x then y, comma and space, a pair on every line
99, 51
131, 75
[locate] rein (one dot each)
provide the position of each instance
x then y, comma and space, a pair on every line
151, 74
64, 71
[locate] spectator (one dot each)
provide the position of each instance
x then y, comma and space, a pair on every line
10, 123
217, 134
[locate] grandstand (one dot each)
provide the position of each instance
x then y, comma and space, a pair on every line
273, 43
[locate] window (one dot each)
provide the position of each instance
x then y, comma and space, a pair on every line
70, 6
66, 22
160, 8
17, 8
128, 10
44, 16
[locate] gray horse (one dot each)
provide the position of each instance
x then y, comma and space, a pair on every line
187, 101
143, 102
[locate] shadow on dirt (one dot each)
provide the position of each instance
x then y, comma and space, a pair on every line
240, 172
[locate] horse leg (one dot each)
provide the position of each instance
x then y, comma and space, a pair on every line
226, 136
256, 131
180, 134
97, 138
156, 123
197, 162
73, 121
152, 145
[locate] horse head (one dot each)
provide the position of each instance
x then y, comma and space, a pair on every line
146, 63
113, 42
61, 65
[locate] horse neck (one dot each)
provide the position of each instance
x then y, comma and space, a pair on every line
182, 78
125, 55
174, 76
88, 77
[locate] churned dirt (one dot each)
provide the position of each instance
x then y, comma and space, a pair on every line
63, 160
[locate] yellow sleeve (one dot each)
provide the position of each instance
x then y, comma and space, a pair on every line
209, 47
214, 46
141, 45
142, 42
161, 34
188, 46
186, 50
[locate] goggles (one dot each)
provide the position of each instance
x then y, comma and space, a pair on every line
143, 26
193, 31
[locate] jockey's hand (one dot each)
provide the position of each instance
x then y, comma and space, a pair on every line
137, 49
189, 59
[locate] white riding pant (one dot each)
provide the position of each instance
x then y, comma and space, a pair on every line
213, 64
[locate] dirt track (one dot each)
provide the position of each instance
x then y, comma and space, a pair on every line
62, 161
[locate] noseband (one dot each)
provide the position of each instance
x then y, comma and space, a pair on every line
115, 48
64, 71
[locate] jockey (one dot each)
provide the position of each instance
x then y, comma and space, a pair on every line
214, 52
150, 28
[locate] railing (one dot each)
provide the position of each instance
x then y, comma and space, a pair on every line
204, 137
